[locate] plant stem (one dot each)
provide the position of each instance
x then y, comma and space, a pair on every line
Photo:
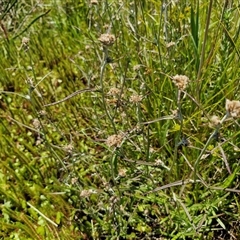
103, 66
207, 144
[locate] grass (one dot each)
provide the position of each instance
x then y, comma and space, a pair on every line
97, 142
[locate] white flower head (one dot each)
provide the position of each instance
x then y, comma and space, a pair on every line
107, 39
233, 108
181, 81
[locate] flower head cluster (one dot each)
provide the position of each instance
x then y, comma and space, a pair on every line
36, 123
181, 81
114, 91
137, 67
25, 43
94, 2
214, 121
136, 98
170, 44
112, 101
122, 172
87, 192
233, 108
114, 140
107, 39
68, 148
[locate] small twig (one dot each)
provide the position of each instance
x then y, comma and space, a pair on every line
18, 94
187, 181
159, 119
177, 183
24, 125
224, 158
141, 162
48, 219
42, 79
198, 175
4, 29
72, 95
187, 213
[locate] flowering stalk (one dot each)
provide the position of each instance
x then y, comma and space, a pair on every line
181, 82
232, 110
107, 40
178, 135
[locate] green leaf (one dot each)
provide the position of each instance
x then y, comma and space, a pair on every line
229, 179
59, 217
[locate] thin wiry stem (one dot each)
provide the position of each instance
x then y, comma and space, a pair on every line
169, 117
24, 125
103, 66
72, 95
179, 134
188, 181
44, 216
207, 144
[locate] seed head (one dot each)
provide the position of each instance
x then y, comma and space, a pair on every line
107, 39
181, 81
233, 108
